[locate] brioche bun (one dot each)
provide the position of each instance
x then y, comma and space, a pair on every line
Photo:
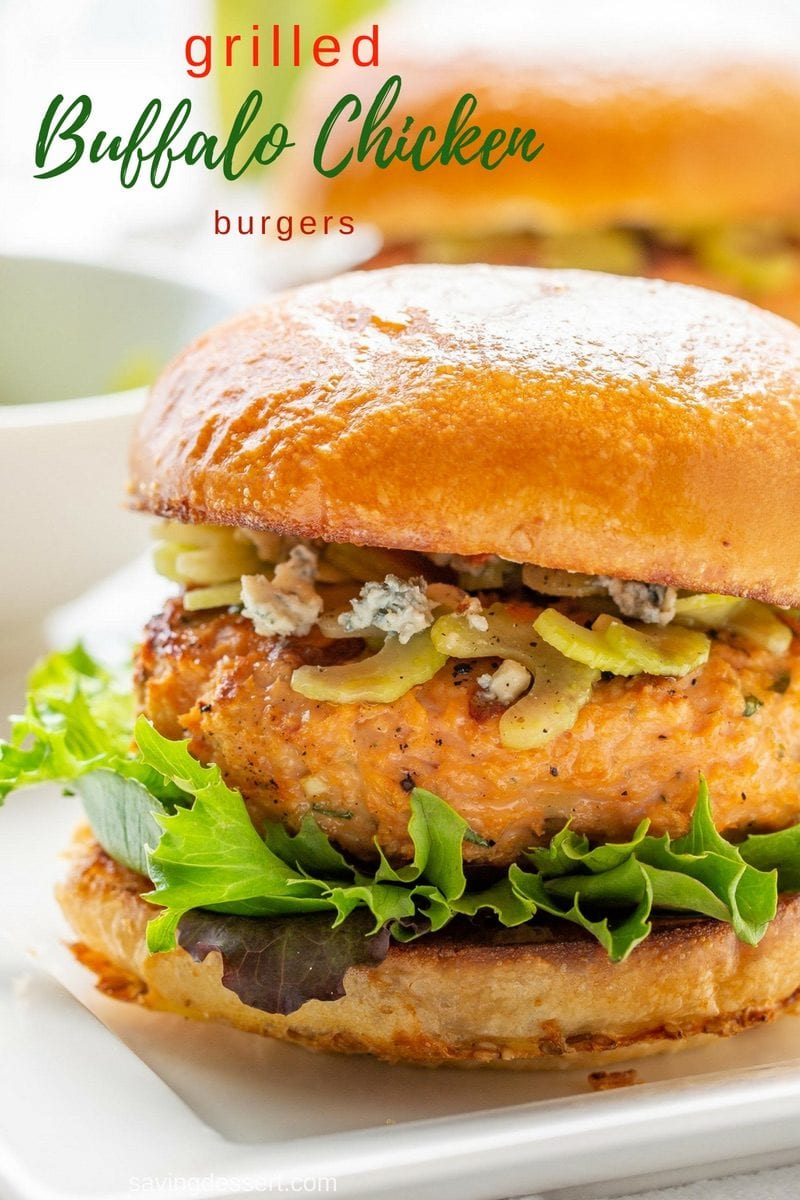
671, 114
555, 1003
594, 423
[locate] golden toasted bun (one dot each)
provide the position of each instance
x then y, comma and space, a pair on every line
439, 1000
670, 113
594, 423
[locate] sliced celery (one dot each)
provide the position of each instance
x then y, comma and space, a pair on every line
368, 564
221, 595
560, 686
561, 583
748, 618
706, 610
611, 645
210, 565
659, 649
753, 259
506, 637
165, 556
617, 251
559, 691
193, 535
203, 554
587, 646
380, 679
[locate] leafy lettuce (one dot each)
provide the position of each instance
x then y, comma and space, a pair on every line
279, 963
159, 811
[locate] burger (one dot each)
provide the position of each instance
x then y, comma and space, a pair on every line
472, 734
670, 141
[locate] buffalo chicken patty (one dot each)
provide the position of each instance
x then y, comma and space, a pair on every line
636, 749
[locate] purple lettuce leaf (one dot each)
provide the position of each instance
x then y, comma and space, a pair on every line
276, 964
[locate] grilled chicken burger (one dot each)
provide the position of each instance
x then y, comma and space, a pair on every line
670, 133
473, 732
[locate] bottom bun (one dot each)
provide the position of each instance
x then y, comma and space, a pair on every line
497, 1000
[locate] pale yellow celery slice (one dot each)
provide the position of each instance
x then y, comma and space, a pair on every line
761, 625
617, 251
506, 637
587, 646
165, 556
659, 649
492, 574
380, 679
611, 645
221, 595
218, 564
753, 259
560, 686
193, 535
203, 554
707, 610
560, 583
368, 564
559, 691
749, 618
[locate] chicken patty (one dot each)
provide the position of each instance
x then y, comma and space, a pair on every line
636, 749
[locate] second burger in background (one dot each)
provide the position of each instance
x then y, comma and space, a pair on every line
688, 172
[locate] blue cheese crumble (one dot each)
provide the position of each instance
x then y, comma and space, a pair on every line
288, 604
395, 606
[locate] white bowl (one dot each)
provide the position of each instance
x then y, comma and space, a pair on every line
67, 329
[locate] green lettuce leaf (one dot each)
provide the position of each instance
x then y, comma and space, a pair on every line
624, 886
750, 895
210, 855
698, 873
569, 850
308, 850
500, 899
76, 718
123, 816
437, 834
776, 852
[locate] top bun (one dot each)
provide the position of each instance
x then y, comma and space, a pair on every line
670, 113
616, 426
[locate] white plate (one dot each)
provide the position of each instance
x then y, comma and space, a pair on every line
139, 1103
